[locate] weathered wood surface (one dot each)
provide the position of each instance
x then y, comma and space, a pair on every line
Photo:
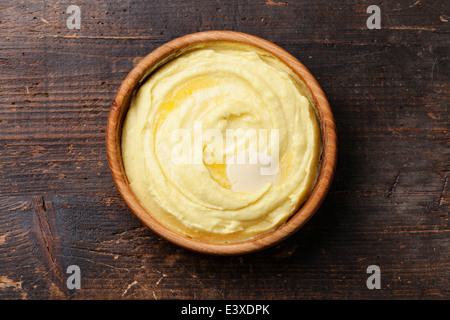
388, 206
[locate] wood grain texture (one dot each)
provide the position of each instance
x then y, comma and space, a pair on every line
388, 205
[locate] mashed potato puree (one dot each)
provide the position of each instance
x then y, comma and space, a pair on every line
221, 87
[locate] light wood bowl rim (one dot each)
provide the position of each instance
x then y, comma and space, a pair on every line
297, 220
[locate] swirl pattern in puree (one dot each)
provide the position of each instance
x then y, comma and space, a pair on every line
219, 88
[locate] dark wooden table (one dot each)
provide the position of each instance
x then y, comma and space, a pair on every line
388, 206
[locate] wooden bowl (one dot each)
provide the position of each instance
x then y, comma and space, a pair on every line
156, 58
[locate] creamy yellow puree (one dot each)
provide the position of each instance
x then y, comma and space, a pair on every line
222, 86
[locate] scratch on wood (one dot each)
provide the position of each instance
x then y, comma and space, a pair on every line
44, 229
409, 28
162, 277
433, 116
432, 69
44, 226
394, 185
146, 291
128, 288
101, 263
396, 180
273, 3
444, 188
103, 37
415, 4
196, 278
